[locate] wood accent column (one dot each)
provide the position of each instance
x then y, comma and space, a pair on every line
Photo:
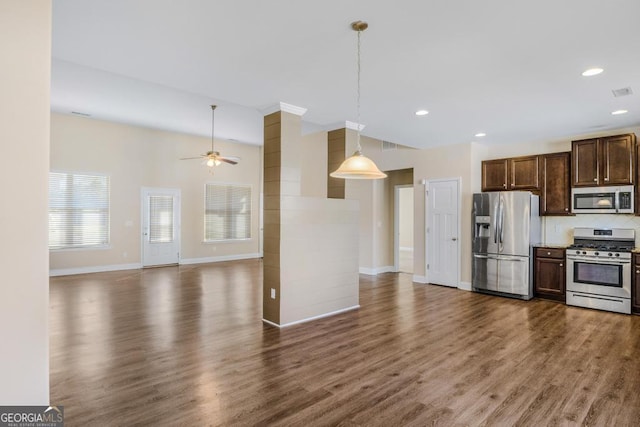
336, 155
271, 248
282, 133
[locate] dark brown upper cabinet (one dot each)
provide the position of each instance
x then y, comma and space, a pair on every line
603, 161
556, 185
516, 173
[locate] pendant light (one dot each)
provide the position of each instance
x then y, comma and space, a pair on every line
358, 166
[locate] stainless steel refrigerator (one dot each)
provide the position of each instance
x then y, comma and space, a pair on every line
506, 225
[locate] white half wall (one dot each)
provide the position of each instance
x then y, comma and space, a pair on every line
25, 43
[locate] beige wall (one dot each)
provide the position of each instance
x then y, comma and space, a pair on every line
313, 165
25, 43
136, 157
436, 163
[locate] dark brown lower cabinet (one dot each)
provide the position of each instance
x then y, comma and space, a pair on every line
549, 275
635, 285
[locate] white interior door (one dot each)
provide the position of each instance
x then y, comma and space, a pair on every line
443, 244
160, 226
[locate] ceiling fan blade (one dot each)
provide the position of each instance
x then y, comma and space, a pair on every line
228, 160
191, 158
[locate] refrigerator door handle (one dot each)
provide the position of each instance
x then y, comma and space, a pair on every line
501, 220
496, 226
514, 259
480, 256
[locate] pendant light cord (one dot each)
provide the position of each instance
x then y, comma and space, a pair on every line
359, 148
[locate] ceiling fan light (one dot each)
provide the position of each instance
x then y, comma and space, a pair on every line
211, 163
358, 167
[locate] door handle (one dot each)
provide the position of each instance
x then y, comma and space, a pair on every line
483, 256
454, 239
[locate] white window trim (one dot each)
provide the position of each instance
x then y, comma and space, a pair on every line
100, 247
204, 214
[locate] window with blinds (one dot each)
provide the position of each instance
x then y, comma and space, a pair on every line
78, 210
160, 219
227, 214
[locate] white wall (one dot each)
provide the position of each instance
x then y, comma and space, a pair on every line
136, 157
25, 43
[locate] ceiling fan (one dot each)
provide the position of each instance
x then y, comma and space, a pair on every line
213, 158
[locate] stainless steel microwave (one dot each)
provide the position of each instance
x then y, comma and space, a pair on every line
602, 199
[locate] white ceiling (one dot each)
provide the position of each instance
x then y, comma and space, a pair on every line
509, 68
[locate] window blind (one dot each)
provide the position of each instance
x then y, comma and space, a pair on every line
78, 210
227, 212
160, 219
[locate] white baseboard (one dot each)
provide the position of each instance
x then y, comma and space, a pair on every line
420, 279
465, 286
94, 269
376, 271
135, 266
309, 319
188, 261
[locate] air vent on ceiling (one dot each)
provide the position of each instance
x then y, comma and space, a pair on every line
77, 113
622, 92
386, 146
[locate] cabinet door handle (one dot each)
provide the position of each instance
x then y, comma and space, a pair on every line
504, 185
595, 179
548, 253
606, 178
566, 209
637, 271
561, 265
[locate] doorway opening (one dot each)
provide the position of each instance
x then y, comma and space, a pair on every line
403, 226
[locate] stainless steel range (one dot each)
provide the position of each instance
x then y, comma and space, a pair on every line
599, 269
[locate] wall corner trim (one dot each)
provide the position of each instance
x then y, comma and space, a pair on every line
353, 125
420, 279
309, 319
376, 271
465, 286
283, 106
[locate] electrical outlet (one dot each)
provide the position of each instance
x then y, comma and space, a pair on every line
273, 293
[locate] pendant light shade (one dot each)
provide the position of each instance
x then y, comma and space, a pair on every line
358, 166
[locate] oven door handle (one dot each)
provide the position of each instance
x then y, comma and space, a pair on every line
617, 200
600, 261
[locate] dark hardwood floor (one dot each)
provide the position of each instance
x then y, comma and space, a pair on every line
186, 346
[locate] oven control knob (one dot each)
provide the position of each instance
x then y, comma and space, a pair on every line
596, 253
617, 254
584, 252
610, 254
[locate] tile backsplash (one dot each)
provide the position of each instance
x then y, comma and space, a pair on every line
559, 230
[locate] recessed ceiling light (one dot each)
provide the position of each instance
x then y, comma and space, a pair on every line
480, 134
422, 113
592, 72
618, 112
